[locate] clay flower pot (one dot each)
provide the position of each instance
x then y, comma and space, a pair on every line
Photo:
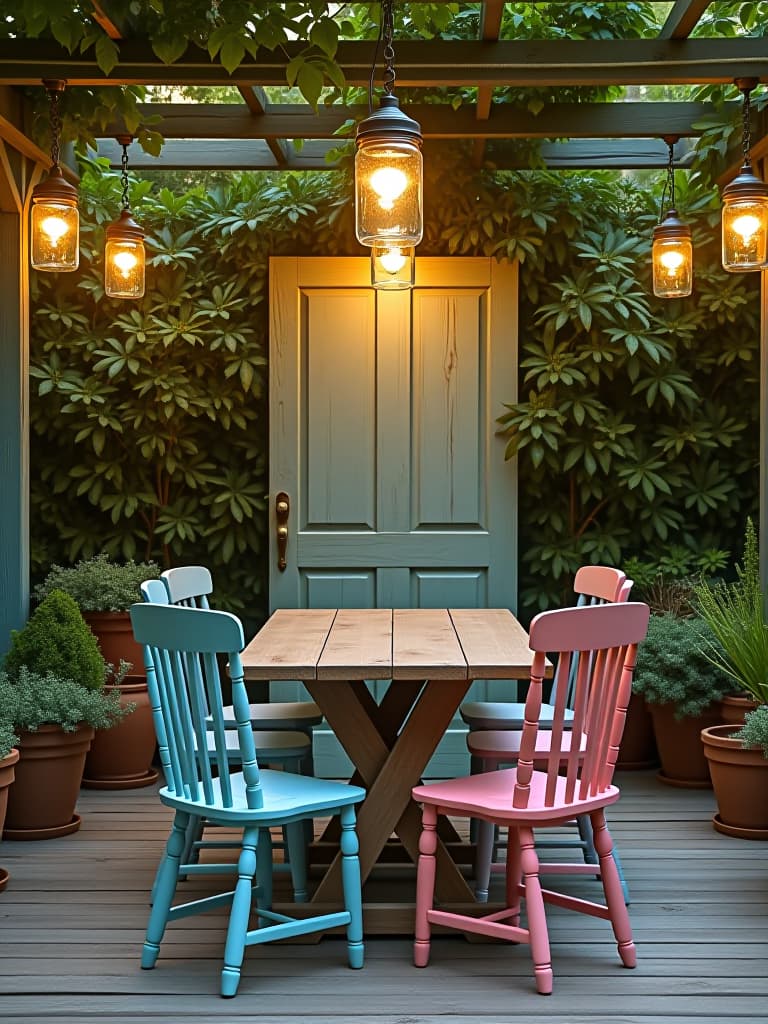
734, 707
679, 743
121, 757
41, 802
7, 764
115, 636
638, 744
740, 780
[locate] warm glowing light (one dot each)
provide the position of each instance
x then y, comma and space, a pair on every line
671, 260
389, 184
55, 228
746, 226
392, 260
124, 261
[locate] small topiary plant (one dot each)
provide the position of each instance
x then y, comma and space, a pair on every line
33, 699
754, 732
56, 639
98, 585
672, 667
8, 739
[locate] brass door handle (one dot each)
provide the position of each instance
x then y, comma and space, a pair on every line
282, 510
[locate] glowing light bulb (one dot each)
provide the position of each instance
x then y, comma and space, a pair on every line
671, 260
125, 262
392, 260
54, 228
388, 183
746, 226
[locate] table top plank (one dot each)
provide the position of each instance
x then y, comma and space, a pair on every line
494, 643
289, 645
425, 645
359, 645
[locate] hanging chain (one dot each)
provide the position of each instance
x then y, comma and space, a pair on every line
671, 173
53, 96
745, 126
388, 24
124, 177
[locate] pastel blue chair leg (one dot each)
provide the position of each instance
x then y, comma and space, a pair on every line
237, 930
486, 834
622, 879
298, 859
585, 834
165, 887
264, 871
350, 880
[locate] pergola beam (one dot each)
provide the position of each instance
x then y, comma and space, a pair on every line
419, 64
683, 18
573, 120
491, 14
255, 155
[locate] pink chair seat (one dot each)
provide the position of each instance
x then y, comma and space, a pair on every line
490, 796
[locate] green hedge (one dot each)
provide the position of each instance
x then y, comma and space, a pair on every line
636, 432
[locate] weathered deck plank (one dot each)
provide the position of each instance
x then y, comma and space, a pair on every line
73, 916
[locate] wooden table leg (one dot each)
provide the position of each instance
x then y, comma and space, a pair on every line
390, 774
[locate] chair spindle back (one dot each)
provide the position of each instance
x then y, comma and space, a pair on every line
180, 648
601, 640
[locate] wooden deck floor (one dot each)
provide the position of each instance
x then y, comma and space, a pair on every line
72, 921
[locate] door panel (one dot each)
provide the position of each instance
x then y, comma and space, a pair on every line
383, 412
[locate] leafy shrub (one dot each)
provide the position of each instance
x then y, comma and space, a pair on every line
734, 613
672, 667
754, 732
99, 585
33, 699
8, 738
57, 640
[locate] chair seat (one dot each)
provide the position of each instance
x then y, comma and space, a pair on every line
270, 743
489, 795
488, 714
504, 744
294, 714
286, 797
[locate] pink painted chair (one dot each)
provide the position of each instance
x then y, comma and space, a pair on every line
570, 779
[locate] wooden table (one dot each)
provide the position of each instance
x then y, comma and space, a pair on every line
432, 657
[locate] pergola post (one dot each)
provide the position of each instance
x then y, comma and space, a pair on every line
16, 181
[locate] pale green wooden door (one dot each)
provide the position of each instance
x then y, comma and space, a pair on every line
383, 410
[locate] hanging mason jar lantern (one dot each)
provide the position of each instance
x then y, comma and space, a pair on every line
124, 257
672, 252
388, 164
745, 206
55, 221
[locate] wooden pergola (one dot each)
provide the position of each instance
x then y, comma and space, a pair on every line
259, 135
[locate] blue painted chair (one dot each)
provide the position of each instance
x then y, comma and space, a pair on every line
180, 655
289, 750
495, 729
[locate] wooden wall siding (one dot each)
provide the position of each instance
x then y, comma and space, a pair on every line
73, 916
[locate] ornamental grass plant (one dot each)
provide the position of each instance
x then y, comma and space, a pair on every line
734, 614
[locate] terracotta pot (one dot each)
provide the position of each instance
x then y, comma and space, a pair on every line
740, 781
115, 635
679, 744
41, 801
734, 707
7, 764
638, 744
121, 757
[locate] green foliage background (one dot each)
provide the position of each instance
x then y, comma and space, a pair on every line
636, 431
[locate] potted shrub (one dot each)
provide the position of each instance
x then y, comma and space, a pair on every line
104, 591
683, 689
737, 758
55, 718
8, 758
53, 694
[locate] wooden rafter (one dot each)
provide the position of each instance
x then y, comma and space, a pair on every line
557, 120
419, 64
683, 18
257, 102
491, 14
